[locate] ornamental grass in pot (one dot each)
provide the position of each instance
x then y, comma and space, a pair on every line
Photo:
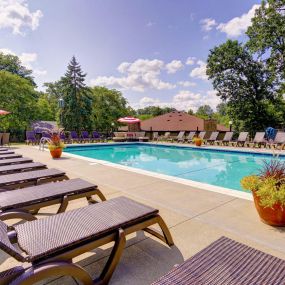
55, 146
268, 189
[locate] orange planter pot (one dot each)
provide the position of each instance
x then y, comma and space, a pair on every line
198, 142
274, 216
56, 153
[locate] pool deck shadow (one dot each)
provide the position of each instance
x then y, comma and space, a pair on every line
195, 217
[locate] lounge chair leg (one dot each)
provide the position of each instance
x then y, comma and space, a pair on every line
63, 205
99, 194
113, 259
166, 237
17, 214
60, 268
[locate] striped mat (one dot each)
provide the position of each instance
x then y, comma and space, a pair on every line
227, 262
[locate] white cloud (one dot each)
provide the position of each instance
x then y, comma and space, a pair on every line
150, 24
16, 15
208, 24
190, 60
137, 76
174, 66
187, 83
27, 60
238, 25
186, 95
148, 101
200, 71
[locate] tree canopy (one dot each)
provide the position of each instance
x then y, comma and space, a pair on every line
204, 112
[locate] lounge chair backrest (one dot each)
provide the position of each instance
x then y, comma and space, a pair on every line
30, 135
191, 135
73, 135
46, 135
202, 135
96, 135
259, 137
155, 135
280, 137
167, 134
120, 134
242, 137
180, 135
228, 136
6, 138
84, 134
214, 136
7, 246
62, 136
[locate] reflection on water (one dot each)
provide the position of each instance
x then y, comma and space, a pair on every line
223, 169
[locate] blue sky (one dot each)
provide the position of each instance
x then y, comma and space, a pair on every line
153, 51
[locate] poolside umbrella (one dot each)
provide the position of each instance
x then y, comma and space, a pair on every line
130, 121
3, 112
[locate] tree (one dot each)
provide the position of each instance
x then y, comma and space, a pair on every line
77, 110
155, 110
204, 112
44, 109
221, 114
18, 96
244, 84
190, 112
267, 36
108, 107
13, 64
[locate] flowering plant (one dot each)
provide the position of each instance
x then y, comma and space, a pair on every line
55, 142
269, 184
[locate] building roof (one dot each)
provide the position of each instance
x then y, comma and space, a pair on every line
176, 121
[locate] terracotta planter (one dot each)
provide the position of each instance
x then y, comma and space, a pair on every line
198, 142
274, 216
56, 153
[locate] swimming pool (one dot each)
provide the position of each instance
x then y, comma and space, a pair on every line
215, 167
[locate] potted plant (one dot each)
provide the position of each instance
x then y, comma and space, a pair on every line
198, 141
55, 145
268, 189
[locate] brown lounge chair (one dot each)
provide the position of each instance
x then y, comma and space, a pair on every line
50, 244
178, 138
23, 203
28, 178
279, 141
9, 156
15, 161
14, 168
3, 149
241, 140
226, 140
165, 137
212, 138
6, 152
190, 137
227, 262
258, 140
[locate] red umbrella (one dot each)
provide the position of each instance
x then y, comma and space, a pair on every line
3, 112
129, 120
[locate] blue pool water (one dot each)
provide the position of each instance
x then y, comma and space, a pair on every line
216, 167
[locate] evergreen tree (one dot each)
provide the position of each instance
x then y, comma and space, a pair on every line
77, 110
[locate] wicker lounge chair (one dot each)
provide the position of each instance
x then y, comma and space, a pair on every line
212, 138
279, 141
51, 243
241, 140
31, 138
226, 140
28, 178
96, 137
165, 137
15, 161
119, 137
85, 136
9, 156
21, 167
6, 152
258, 140
190, 137
74, 137
155, 136
23, 203
227, 262
178, 138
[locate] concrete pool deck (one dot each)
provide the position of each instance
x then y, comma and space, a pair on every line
195, 217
